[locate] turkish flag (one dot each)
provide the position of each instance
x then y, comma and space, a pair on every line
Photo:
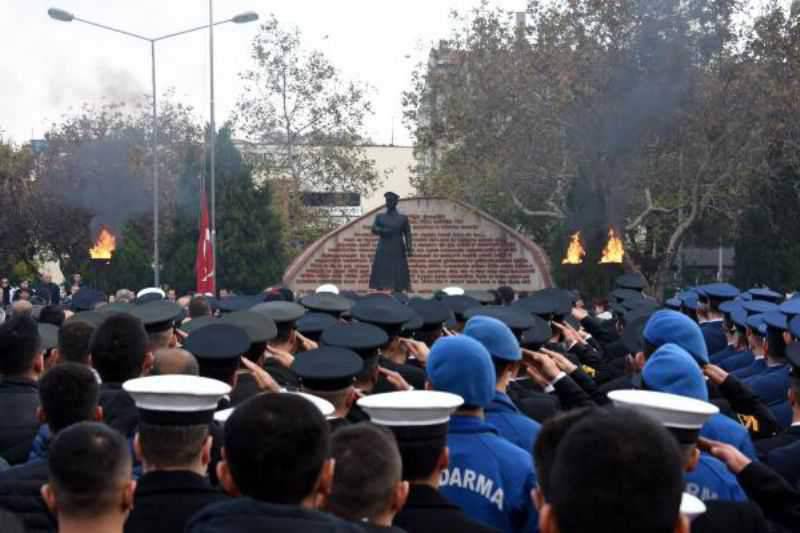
204, 263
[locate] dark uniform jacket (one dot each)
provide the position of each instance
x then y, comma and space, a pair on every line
714, 335
427, 511
533, 402
725, 517
764, 446
119, 409
779, 501
19, 493
413, 375
19, 398
246, 515
165, 501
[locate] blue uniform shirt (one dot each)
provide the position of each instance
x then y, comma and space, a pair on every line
771, 385
721, 355
714, 335
757, 366
720, 427
489, 477
511, 423
737, 361
711, 480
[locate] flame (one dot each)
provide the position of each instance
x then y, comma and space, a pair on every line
614, 251
105, 244
575, 251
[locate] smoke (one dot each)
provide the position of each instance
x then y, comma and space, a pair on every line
109, 82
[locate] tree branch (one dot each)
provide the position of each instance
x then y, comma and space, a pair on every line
555, 213
649, 210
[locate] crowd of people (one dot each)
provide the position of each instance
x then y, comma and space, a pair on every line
469, 411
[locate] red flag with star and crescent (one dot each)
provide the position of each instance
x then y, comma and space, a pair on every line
204, 263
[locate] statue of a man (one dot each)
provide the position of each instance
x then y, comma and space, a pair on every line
390, 266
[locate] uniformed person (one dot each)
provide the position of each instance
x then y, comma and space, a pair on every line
288, 340
488, 477
756, 331
279, 490
219, 348
506, 354
792, 434
389, 315
419, 421
260, 330
368, 488
329, 372
312, 324
670, 369
365, 340
159, 319
173, 444
684, 417
458, 305
712, 296
771, 384
433, 314
739, 352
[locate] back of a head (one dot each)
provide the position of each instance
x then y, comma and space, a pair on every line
19, 345
88, 463
73, 341
199, 306
174, 361
124, 296
368, 467
631, 481
69, 394
22, 308
275, 447
52, 314
552, 433
118, 348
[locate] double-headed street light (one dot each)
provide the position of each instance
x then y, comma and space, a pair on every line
242, 18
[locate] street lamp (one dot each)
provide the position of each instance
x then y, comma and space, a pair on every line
65, 16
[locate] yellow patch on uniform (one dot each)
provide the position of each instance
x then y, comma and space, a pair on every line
750, 422
589, 371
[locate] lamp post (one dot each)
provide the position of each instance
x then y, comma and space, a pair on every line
65, 16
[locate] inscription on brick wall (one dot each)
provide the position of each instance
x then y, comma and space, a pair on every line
453, 245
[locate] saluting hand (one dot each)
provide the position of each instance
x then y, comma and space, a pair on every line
735, 460
284, 358
263, 380
715, 374
305, 343
542, 365
416, 348
564, 364
395, 379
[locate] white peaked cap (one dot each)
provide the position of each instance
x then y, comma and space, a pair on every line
325, 407
176, 399
453, 291
673, 411
328, 287
151, 290
410, 408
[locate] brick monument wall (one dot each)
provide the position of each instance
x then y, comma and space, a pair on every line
454, 244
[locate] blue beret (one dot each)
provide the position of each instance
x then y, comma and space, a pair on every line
495, 336
671, 369
669, 326
461, 365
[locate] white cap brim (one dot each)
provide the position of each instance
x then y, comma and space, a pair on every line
325, 407
671, 410
176, 393
692, 506
453, 291
151, 290
411, 408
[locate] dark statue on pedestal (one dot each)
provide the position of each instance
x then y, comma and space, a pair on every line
390, 266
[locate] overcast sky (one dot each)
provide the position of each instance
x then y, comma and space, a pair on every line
49, 67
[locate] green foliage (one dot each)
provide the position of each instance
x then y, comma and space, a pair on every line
250, 251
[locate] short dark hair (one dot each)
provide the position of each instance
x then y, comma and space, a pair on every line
776, 346
551, 434
506, 295
199, 306
284, 331
368, 466
256, 351
87, 463
171, 446
69, 394
631, 481
223, 370
159, 339
19, 344
275, 446
420, 453
500, 366
52, 314
118, 348
73, 341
